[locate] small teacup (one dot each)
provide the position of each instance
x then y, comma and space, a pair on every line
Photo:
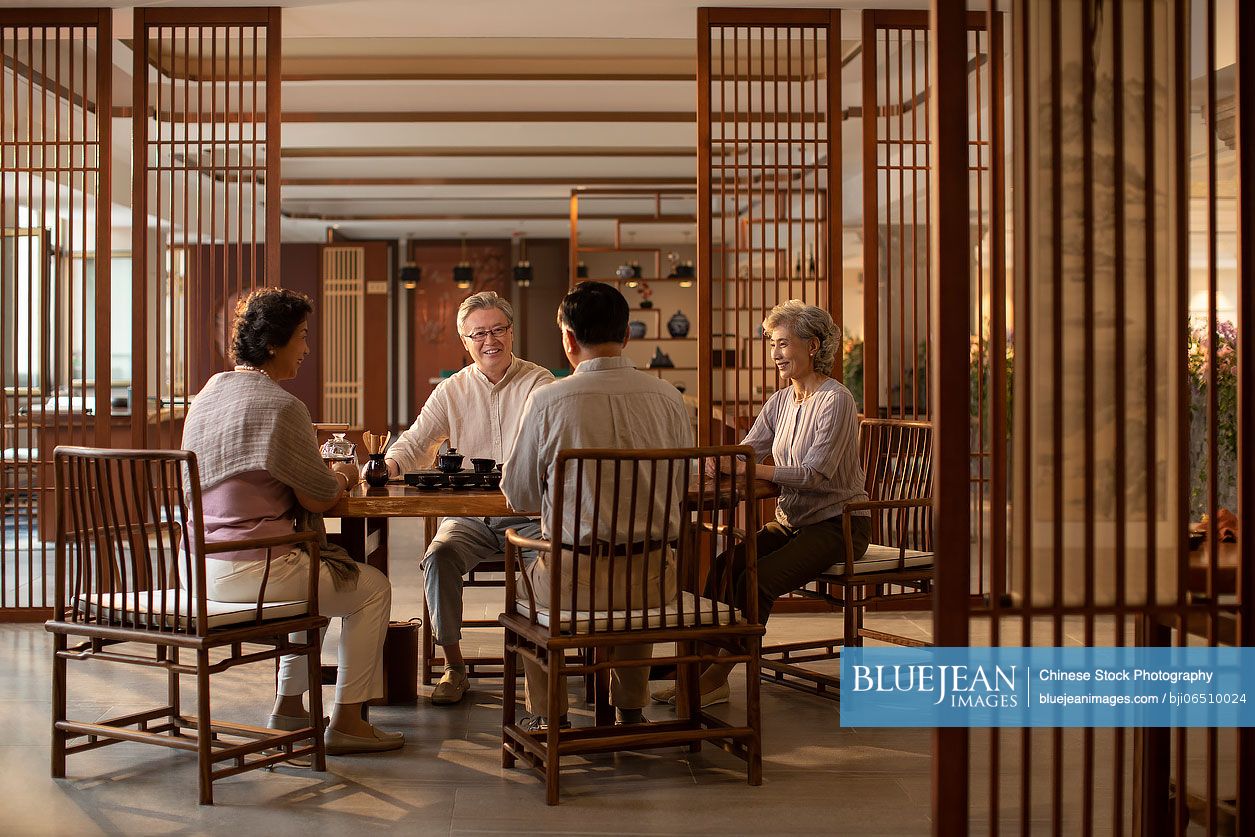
483, 466
463, 480
424, 479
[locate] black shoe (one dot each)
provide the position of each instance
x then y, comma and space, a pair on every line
629, 716
538, 723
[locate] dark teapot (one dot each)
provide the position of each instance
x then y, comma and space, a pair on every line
450, 462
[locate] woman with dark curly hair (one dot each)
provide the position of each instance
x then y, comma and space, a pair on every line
810, 428
261, 476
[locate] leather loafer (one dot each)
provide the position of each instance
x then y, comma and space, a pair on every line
291, 723
343, 744
719, 694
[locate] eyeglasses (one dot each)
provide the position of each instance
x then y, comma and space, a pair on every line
480, 335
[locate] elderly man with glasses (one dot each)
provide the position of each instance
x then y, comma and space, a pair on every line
477, 410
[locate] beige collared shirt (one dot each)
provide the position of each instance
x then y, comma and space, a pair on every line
605, 403
476, 416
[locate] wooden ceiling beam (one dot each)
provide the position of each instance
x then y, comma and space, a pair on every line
490, 116
483, 181
488, 151
521, 216
435, 75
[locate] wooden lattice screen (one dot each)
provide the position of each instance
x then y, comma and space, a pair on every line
54, 275
206, 197
896, 263
343, 333
1123, 412
769, 194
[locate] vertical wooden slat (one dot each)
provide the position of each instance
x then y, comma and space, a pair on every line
274, 30
871, 224
139, 232
1245, 97
949, 395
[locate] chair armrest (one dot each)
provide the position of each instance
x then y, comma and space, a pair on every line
847, 517
860, 505
308, 537
527, 543
514, 542
261, 543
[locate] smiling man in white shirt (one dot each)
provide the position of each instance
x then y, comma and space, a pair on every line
477, 410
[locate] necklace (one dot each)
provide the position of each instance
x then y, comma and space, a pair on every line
244, 367
805, 396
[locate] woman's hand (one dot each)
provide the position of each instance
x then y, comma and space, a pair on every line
348, 470
712, 464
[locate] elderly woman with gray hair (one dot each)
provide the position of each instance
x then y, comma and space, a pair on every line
810, 429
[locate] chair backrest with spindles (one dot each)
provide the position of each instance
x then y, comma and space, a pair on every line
130, 548
621, 516
897, 456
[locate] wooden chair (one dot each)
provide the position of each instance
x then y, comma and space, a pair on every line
626, 607
130, 571
897, 457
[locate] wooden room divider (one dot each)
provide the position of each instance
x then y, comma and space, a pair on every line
55, 187
206, 197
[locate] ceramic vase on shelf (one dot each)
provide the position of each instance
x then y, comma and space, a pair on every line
636, 329
678, 325
376, 471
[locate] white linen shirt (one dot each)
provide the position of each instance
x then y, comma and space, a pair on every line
476, 416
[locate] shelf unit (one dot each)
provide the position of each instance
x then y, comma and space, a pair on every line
669, 294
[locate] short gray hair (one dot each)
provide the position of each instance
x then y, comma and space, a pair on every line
808, 323
483, 301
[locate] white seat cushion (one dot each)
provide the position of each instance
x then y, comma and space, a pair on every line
221, 614
641, 619
880, 558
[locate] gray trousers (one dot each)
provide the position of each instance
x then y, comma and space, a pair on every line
460, 544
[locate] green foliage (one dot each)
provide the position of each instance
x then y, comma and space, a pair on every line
1198, 364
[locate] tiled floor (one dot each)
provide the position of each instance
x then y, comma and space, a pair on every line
818, 777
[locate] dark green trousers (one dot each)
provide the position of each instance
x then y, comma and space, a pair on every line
787, 559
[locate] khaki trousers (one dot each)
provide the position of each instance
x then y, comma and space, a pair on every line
363, 613
629, 687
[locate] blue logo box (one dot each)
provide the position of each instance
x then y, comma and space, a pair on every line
1047, 687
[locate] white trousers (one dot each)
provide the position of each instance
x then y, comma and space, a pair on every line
363, 613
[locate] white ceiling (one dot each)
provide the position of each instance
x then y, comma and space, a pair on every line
388, 56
